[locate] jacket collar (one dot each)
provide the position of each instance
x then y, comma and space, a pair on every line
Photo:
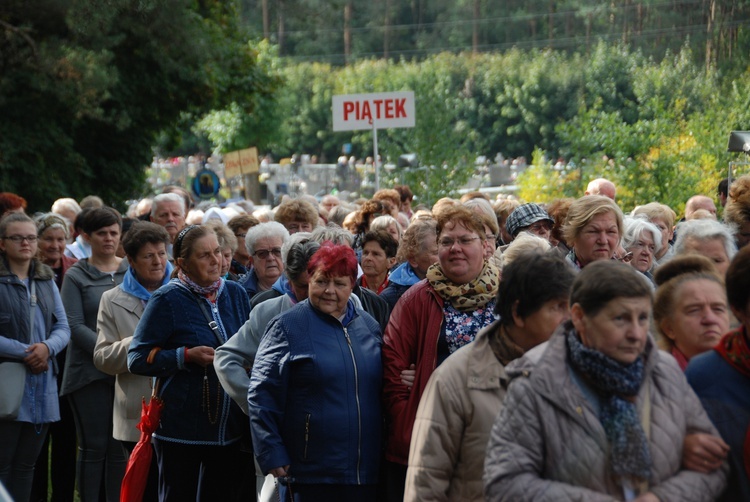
485, 372
39, 271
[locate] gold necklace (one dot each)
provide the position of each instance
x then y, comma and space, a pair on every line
206, 405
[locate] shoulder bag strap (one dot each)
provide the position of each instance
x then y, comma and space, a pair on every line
211, 323
32, 307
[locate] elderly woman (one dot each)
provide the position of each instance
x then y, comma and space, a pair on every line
465, 393
228, 244
263, 243
690, 312
91, 392
314, 397
197, 442
602, 414
52, 232
525, 243
663, 217
52, 237
642, 242
239, 225
388, 224
370, 210
721, 378
417, 252
708, 238
432, 320
120, 310
33, 331
378, 257
297, 216
593, 229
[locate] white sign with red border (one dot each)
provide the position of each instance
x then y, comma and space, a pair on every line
383, 110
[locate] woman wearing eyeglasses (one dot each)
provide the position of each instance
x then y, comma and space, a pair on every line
33, 330
642, 241
91, 393
433, 319
263, 244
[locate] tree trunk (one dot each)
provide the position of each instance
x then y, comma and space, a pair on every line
386, 28
709, 33
266, 21
281, 27
475, 27
347, 31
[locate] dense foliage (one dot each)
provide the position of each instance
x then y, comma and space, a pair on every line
86, 86
657, 128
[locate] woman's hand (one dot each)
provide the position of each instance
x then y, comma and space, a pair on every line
703, 453
201, 355
36, 360
408, 376
279, 472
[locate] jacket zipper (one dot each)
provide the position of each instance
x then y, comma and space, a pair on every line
307, 434
359, 411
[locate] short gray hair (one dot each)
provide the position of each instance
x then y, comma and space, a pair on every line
383, 222
269, 229
168, 197
333, 233
704, 230
633, 227
297, 238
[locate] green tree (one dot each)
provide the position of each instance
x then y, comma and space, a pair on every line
86, 87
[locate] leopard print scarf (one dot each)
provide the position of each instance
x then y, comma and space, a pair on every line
470, 296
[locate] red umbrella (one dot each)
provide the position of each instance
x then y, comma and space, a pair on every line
136, 474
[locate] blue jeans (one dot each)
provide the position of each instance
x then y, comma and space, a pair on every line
20, 443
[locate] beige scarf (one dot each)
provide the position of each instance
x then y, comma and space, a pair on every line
470, 296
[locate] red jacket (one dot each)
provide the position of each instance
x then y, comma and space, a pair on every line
411, 337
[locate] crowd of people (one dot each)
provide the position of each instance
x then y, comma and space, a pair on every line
378, 350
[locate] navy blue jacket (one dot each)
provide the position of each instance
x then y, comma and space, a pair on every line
314, 397
172, 321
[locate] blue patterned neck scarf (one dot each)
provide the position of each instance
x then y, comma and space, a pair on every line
618, 385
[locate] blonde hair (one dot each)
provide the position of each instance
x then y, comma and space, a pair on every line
656, 211
583, 210
737, 210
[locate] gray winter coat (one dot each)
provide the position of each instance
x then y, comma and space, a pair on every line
547, 443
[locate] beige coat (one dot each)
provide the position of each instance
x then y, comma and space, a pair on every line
548, 444
119, 313
454, 419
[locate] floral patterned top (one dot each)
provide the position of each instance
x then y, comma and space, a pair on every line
460, 328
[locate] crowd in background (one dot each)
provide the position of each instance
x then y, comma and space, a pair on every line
380, 349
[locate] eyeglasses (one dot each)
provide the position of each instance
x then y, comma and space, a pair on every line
240, 236
539, 226
448, 243
263, 253
626, 258
490, 237
20, 238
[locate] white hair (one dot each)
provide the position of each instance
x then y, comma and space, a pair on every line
634, 227
704, 230
167, 197
269, 229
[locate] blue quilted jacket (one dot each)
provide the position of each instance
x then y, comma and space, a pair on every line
314, 397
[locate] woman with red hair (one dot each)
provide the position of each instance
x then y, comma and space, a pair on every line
11, 203
314, 398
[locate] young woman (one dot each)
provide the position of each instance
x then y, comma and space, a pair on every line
33, 330
91, 393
